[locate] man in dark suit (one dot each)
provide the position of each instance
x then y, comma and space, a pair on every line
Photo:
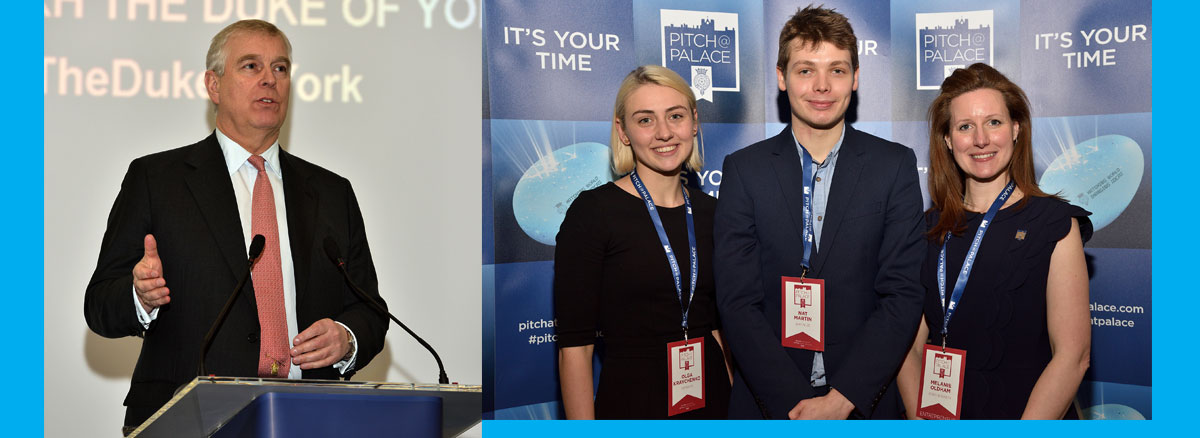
177, 239
863, 222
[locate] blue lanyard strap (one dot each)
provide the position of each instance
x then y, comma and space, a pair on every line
809, 184
662, 237
968, 263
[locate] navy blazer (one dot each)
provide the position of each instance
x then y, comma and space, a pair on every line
185, 198
869, 255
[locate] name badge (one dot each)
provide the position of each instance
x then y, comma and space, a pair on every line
941, 383
685, 365
803, 313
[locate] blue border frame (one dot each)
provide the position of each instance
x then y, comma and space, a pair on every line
23, 165
1173, 355
1173, 346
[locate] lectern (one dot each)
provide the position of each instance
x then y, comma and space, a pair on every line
264, 407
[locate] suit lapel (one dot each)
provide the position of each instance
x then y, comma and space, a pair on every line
210, 185
789, 171
301, 203
846, 175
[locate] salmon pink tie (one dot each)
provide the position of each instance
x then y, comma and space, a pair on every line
273, 360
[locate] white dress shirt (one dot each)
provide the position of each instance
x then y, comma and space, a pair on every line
822, 178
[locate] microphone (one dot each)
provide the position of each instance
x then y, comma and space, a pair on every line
256, 249
331, 251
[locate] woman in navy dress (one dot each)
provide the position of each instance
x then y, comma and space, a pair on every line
1022, 316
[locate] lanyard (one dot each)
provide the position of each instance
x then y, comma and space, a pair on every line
808, 181
968, 263
662, 237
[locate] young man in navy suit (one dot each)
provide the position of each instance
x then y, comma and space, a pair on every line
818, 246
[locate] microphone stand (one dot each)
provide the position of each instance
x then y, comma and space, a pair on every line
256, 248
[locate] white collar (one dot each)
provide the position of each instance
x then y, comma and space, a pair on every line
236, 155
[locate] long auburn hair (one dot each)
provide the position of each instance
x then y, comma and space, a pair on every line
946, 179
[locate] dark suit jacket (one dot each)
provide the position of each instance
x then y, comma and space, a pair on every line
184, 197
869, 256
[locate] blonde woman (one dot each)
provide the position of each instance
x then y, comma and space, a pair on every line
633, 260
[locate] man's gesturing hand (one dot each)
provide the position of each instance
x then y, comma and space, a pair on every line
148, 279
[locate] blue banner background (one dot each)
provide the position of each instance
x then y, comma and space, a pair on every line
1068, 109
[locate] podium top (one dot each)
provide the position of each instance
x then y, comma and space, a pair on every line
262, 381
